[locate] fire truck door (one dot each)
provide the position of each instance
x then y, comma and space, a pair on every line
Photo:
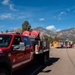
18, 56
27, 48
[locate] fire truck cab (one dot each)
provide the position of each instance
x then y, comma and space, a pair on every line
16, 50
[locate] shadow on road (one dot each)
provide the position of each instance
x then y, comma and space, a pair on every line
28, 70
52, 61
49, 63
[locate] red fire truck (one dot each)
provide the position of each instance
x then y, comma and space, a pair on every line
63, 44
68, 44
17, 50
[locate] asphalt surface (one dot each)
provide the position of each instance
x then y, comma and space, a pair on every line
62, 62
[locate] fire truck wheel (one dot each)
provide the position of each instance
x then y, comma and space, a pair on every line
42, 58
46, 57
3, 72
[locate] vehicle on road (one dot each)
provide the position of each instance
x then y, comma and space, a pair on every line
18, 50
63, 44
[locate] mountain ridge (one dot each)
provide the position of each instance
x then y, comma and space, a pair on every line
66, 33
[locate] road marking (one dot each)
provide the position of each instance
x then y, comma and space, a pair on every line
37, 70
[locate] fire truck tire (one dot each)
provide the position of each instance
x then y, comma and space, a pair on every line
48, 55
3, 72
44, 58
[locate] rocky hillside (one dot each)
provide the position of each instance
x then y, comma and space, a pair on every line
17, 30
40, 29
45, 31
66, 34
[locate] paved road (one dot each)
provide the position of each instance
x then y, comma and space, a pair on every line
62, 62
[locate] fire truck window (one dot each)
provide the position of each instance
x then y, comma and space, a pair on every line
26, 41
5, 40
16, 42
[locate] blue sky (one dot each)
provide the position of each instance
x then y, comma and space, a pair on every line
53, 15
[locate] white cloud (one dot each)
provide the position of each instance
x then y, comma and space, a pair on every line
52, 28
41, 19
5, 2
12, 7
62, 13
5, 16
58, 30
8, 3
21, 17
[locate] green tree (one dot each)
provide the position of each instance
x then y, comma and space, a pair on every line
26, 26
